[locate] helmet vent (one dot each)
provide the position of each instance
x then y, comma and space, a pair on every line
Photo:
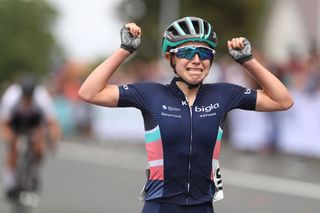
196, 26
184, 27
206, 29
173, 31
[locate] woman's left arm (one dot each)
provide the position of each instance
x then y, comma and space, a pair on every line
273, 96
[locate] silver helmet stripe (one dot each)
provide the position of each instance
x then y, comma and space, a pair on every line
201, 24
190, 26
179, 29
209, 31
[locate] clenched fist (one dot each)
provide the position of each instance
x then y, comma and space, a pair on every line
130, 37
240, 49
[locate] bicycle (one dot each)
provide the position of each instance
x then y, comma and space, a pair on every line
25, 195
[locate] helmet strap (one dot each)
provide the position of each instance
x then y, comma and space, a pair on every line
172, 64
190, 86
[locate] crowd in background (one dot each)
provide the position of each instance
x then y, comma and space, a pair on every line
294, 131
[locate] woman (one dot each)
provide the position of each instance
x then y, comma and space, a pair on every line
183, 120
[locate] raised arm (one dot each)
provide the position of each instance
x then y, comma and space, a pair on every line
95, 89
273, 96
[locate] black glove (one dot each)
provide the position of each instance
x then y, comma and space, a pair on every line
242, 55
128, 41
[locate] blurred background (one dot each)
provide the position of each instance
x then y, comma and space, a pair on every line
62, 42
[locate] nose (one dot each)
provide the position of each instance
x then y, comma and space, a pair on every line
196, 58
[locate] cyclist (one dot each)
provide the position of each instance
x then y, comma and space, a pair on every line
184, 119
26, 109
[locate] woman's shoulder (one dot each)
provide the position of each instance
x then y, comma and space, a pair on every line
225, 87
221, 85
147, 84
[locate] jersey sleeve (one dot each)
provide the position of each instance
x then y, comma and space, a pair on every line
132, 95
241, 98
10, 98
45, 102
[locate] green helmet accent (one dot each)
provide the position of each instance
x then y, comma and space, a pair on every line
188, 29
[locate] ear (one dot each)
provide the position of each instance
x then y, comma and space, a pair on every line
167, 56
170, 58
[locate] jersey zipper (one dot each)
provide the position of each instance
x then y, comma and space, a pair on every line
190, 152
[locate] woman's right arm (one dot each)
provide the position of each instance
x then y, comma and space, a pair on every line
95, 89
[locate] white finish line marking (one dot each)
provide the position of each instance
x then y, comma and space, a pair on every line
270, 184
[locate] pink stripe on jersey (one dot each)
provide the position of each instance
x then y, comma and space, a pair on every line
156, 173
216, 151
154, 150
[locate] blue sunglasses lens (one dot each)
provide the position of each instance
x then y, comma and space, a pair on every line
189, 52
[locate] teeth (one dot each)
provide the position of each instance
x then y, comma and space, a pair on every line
194, 69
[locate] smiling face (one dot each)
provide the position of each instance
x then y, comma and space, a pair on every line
194, 70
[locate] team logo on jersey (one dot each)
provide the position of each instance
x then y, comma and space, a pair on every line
170, 108
207, 109
170, 111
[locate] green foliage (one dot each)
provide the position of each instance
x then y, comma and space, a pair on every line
230, 18
25, 38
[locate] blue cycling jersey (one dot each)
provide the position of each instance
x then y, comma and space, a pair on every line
182, 141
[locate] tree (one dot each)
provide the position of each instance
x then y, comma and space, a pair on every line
230, 18
25, 38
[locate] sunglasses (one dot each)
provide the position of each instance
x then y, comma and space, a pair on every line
188, 52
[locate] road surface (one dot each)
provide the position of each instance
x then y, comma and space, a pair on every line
107, 178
